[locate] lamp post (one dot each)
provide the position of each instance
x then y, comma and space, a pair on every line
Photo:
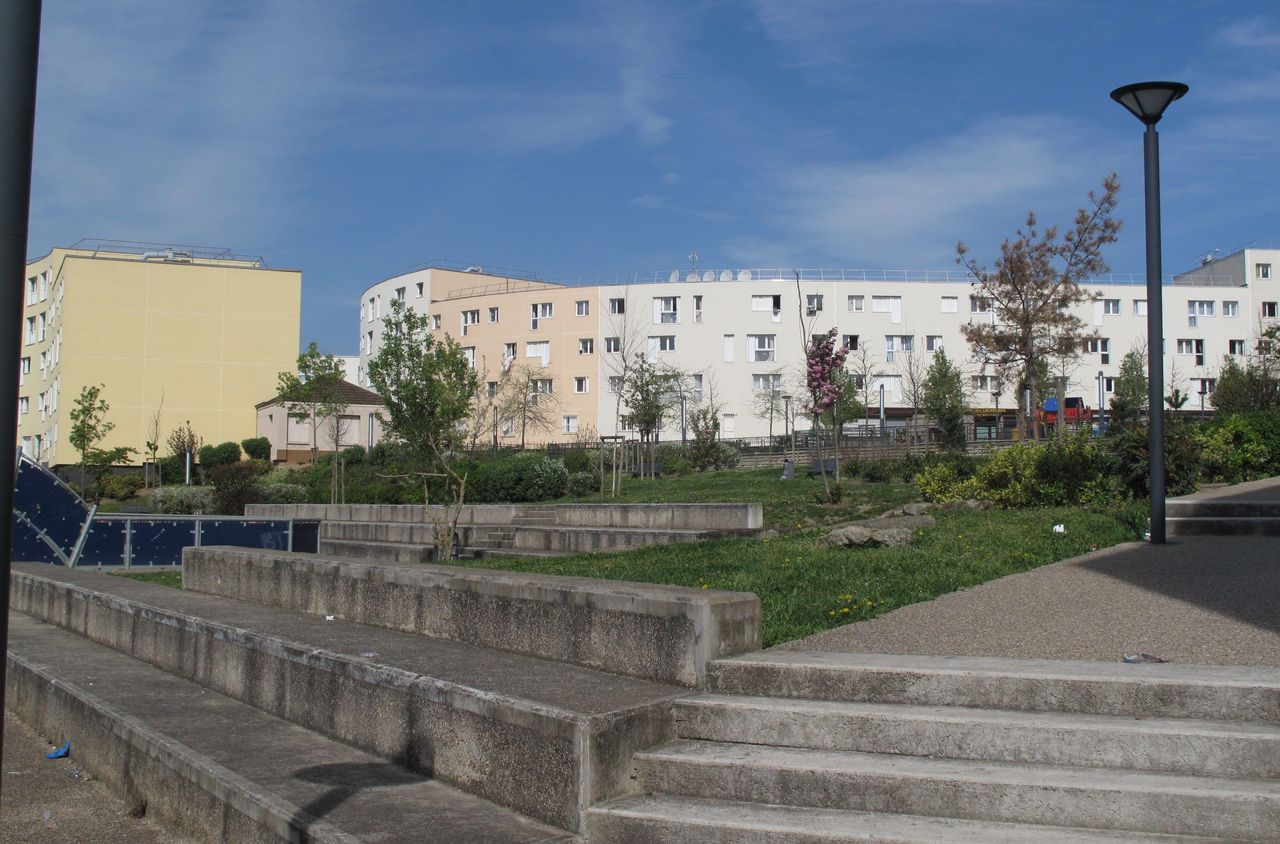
786, 420
1147, 102
1203, 393
995, 394
881, 410
684, 421
1102, 402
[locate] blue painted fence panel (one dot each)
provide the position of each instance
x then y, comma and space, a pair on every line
50, 505
105, 543
246, 533
159, 542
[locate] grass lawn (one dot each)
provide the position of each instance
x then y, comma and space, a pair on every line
805, 587
163, 578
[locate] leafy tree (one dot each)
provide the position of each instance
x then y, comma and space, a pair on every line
1129, 400
1256, 385
312, 395
768, 403
89, 427
427, 388
648, 397
824, 380
183, 444
1033, 287
705, 447
944, 399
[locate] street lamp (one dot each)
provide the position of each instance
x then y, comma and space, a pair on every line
882, 410
786, 415
995, 394
684, 421
1147, 102
1102, 402
1203, 392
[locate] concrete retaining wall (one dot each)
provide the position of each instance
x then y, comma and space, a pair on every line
545, 762
564, 540
653, 516
663, 633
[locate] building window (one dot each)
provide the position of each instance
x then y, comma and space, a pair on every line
583, 307
617, 306
761, 346
813, 304
951, 304
31, 290
493, 314
696, 387
469, 352
420, 289
581, 384
1111, 307
538, 350
508, 352
1196, 309
538, 311
1262, 271
932, 342
31, 329
1207, 386
540, 386
613, 344
571, 424
729, 424
1269, 309
885, 304
979, 304
666, 310
1139, 307
768, 381
24, 369
491, 389
697, 309
1100, 346
368, 342
894, 343
849, 342
1235, 347
435, 322
24, 405
586, 346
982, 383
857, 303
615, 383
728, 348
662, 343
399, 294
769, 304
469, 318
1192, 347
1230, 309
1108, 385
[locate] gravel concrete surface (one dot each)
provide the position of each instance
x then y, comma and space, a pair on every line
1198, 599
55, 800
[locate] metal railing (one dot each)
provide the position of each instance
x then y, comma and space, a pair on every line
1190, 279
98, 246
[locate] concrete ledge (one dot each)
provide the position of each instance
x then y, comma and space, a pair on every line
153, 772
563, 540
539, 759
740, 517
662, 633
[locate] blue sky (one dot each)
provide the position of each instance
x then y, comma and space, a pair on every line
354, 140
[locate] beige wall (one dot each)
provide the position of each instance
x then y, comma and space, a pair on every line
199, 342
291, 441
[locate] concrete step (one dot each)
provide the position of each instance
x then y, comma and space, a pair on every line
1226, 693
1219, 508
1183, 746
663, 633
689, 820
222, 770
540, 737
385, 552
1223, 526
986, 791
565, 539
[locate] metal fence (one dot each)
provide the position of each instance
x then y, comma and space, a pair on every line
51, 524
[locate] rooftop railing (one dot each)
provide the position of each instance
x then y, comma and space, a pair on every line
169, 251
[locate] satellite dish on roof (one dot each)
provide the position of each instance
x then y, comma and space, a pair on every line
744, 275
692, 276
709, 275
726, 275
675, 276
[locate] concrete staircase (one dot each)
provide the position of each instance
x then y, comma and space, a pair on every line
287, 697
807, 747
1247, 509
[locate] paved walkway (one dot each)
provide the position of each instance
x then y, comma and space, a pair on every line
1200, 599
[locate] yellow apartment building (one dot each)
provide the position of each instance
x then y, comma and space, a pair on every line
188, 333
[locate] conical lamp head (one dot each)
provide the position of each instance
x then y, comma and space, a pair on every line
1148, 100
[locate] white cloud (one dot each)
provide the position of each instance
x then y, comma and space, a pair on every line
1256, 32
909, 209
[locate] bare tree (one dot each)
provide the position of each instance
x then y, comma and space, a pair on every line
624, 349
914, 372
768, 403
527, 400
862, 365
1034, 285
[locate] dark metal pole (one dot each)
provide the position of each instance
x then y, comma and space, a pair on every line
19, 54
1155, 333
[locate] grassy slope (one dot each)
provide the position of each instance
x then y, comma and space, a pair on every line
805, 587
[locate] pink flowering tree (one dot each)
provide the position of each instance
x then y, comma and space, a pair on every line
825, 378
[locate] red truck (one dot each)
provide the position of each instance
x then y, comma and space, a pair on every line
1077, 413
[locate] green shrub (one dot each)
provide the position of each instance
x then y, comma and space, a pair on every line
212, 456
173, 469
1181, 460
582, 484
962, 463
187, 500
122, 486
1232, 451
876, 471
728, 456
941, 482
527, 476
353, 455
234, 485
258, 448
281, 494
579, 460
906, 467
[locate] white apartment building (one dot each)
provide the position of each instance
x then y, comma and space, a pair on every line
742, 331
